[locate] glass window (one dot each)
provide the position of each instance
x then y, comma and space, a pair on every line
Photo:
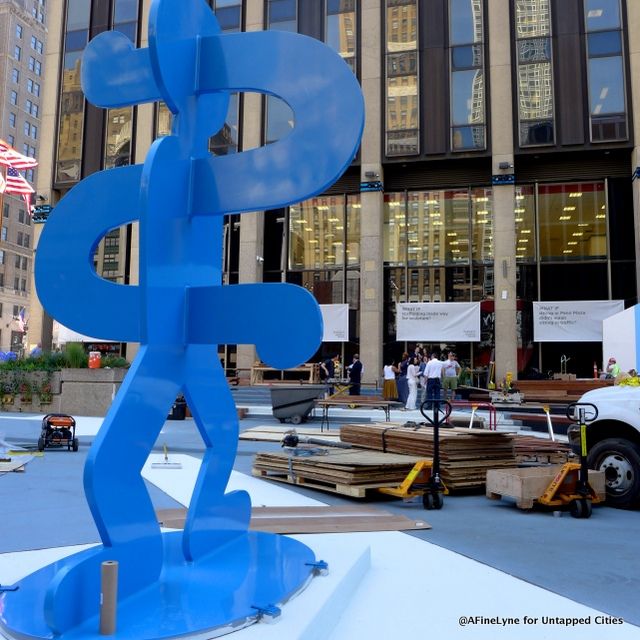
341, 29
11, 139
602, 14
394, 238
279, 119
19, 31
572, 222
118, 138
482, 226
525, 223
605, 43
606, 85
12, 120
282, 15
17, 52
226, 140
163, 120
465, 22
125, 11
78, 14
401, 87
38, 68
535, 73
76, 40
15, 75
14, 97
3, 233
229, 14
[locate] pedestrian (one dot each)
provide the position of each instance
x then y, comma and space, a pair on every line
613, 369
355, 376
328, 371
450, 372
403, 388
412, 383
433, 372
389, 387
422, 380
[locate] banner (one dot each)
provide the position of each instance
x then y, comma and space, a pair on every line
572, 321
336, 322
438, 321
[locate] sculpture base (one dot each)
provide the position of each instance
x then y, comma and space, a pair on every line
220, 593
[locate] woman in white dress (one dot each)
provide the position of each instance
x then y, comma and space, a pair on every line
412, 379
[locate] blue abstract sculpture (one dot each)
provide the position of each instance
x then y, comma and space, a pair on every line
215, 573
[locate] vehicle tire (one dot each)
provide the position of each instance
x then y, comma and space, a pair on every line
620, 461
427, 500
576, 508
296, 419
75, 444
40, 444
438, 500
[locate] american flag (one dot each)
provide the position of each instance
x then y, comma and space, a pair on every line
11, 158
16, 184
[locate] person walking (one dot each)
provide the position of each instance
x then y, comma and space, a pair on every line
389, 387
403, 388
412, 383
450, 372
433, 372
355, 376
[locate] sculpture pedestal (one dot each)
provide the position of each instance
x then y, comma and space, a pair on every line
218, 594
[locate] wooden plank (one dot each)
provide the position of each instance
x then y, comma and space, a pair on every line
329, 519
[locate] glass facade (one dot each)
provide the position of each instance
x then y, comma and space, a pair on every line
467, 85
402, 103
340, 29
535, 72
607, 100
71, 111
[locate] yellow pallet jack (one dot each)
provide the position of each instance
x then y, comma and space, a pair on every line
571, 484
424, 478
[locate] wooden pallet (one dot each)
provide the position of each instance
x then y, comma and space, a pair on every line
352, 491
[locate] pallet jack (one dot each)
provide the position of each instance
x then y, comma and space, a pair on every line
424, 479
571, 484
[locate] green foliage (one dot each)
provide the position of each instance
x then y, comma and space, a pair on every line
113, 362
75, 356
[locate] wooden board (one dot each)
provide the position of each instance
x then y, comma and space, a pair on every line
330, 519
13, 465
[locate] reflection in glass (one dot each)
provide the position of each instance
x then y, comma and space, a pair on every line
572, 221
70, 127
482, 226
78, 14
602, 14
394, 237
535, 91
465, 21
353, 230
606, 85
467, 96
605, 43
402, 99
282, 15
279, 119
534, 50
164, 119
226, 140
340, 29
466, 57
532, 18
118, 137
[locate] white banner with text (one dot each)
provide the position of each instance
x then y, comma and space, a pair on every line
572, 321
438, 321
336, 322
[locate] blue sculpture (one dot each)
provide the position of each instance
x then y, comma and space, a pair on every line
216, 573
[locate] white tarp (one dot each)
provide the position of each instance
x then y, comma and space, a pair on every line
62, 335
572, 321
438, 321
619, 339
336, 322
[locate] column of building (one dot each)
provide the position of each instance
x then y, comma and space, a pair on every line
504, 235
633, 32
371, 212
251, 224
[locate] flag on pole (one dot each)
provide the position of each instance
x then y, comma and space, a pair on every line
21, 324
17, 185
11, 158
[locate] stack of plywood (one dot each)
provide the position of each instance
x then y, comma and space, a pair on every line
532, 450
465, 454
346, 471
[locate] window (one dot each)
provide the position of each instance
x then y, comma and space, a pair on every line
607, 99
29, 175
19, 31
23, 284
32, 63
16, 311
14, 97
19, 238
118, 138
27, 240
25, 149
1, 257
5, 210
34, 110
34, 131
16, 283
21, 215
39, 46
282, 15
340, 31
27, 128
38, 68
401, 78
12, 120
15, 75
36, 89
467, 88
33, 42
17, 52
3, 233
18, 261
11, 139
25, 263
229, 14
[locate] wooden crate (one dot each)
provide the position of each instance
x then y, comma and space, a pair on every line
528, 484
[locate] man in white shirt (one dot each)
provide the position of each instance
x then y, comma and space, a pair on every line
450, 372
433, 373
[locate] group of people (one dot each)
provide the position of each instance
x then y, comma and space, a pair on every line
331, 368
421, 372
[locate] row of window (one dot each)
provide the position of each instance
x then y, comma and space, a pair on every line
23, 217
22, 239
30, 106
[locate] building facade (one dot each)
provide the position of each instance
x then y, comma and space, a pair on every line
22, 51
497, 165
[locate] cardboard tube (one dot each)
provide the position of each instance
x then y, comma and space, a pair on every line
108, 597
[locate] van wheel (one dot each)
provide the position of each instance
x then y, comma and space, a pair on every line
620, 461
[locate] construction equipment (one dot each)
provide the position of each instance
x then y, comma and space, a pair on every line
58, 430
571, 485
424, 479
